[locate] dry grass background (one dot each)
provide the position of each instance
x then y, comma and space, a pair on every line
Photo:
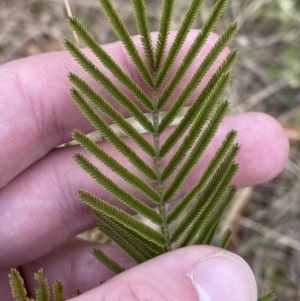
266, 78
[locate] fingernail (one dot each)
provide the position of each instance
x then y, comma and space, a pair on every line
224, 276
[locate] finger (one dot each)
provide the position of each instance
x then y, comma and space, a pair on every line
179, 275
41, 204
38, 113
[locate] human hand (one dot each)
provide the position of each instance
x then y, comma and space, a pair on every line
40, 213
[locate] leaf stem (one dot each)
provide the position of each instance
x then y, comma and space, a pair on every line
157, 159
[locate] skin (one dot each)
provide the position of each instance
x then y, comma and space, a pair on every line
41, 213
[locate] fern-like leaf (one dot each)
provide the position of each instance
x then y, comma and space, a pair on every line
109, 62
110, 136
125, 38
122, 217
42, 292
108, 262
17, 286
115, 166
122, 195
100, 77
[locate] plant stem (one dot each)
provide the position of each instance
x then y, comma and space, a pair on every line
159, 182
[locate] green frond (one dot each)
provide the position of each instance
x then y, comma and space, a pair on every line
122, 195
197, 150
109, 62
214, 83
208, 239
201, 119
216, 215
121, 236
144, 31
144, 246
111, 137
115, 166
194, 51
58, 289
108, 262
17, 286
268, 296
122, 217
126, 39
216, 196
205, 197
225, 239
110, 112
197, 77
42, 292
180, 37
213, 167
163, 31
101, 78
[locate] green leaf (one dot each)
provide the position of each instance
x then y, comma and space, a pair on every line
108, 262
111, 137
201, 119
225, 238
115, 166
181, 35
17, 285
210, 206
213, 84
144, 31
197, 150
163, 31
110, 112
209, 236
195, 80
109, 63
58, 291
100, 77
122, 195
42, 292
194, 51
215, 217
122, 217
127, 41
268, 296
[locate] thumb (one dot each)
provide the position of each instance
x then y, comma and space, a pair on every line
194, 273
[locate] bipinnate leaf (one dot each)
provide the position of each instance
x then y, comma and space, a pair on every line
197, 150
122, 195
209, 236
122, 217
108, 262
109, 62
110, 112
181, 35
192, 54
225, 155
58, 289
126, 39
225, 239
17, 286
110, 136
109, 86
214, 84
115, 166
195, 80
42, 292
215, 216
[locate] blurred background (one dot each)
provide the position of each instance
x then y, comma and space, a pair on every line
266, 78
